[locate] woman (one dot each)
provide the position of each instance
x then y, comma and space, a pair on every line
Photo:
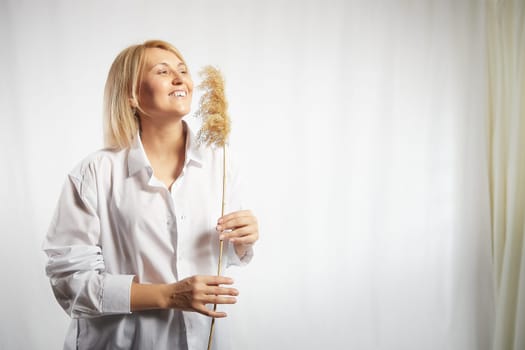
133, 245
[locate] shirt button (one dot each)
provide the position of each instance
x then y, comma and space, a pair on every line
182, 217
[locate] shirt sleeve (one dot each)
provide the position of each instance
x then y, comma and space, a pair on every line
233, 258
75, 264
237, 201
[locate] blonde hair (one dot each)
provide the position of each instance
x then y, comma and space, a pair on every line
121, 122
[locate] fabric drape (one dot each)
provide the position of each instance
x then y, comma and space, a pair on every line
506, 52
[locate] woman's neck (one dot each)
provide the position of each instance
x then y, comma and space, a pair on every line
165, 142
165, 147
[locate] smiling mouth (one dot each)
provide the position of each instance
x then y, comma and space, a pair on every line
178, 93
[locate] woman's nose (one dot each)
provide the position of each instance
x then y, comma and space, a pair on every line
177, 78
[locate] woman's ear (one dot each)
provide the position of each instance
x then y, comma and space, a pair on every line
133, 103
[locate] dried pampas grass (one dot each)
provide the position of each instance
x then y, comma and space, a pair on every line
214, 131
213, 108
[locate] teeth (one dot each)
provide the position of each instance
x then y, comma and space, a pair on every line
179, 93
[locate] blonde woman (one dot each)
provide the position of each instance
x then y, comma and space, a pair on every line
133, 245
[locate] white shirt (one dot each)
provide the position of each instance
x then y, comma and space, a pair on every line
114, 221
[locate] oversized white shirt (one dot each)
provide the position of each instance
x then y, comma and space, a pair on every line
116, 220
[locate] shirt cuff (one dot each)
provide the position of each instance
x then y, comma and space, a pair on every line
233, 258
116, 294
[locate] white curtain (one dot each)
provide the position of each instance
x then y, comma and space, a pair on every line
362, 127
506, 24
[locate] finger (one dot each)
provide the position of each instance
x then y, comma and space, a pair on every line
218, 314
237, 222
240, 232
216, 280
245, 235
246, 240
215, 299
222, 291
236, 214
205, 311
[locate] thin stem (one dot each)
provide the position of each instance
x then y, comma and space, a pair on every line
221, 246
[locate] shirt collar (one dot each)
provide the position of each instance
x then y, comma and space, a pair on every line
194, 151
137, 159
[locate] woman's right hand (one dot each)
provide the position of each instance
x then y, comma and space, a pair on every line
193, 293
190, 294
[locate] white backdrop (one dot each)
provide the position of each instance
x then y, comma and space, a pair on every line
361, 126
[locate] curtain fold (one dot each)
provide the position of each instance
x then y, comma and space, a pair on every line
506, 54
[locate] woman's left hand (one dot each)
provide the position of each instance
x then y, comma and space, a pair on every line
244, 230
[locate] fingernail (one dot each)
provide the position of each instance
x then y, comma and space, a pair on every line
221, 237
218, 228
220, 221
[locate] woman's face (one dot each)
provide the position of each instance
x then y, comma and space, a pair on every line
166, 87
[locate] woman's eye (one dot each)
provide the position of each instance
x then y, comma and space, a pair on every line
163, 72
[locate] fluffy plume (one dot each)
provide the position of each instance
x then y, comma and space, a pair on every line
213, 108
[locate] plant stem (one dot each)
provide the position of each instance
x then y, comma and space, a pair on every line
221, 244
